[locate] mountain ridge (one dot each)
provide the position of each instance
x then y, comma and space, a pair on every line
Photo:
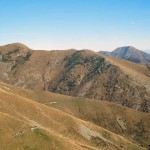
78, 73
129, 53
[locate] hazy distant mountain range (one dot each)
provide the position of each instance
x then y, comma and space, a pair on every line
129, 53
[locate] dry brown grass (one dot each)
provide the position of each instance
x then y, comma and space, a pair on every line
62, 124
77, 73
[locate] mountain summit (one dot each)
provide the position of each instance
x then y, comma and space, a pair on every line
130, 53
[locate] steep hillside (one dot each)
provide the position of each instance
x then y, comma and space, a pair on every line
78, 73
27, 124
129, 53
18, 134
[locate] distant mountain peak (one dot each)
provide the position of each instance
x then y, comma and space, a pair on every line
129, 53
127, 48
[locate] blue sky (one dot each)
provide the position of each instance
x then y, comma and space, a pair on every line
80, 24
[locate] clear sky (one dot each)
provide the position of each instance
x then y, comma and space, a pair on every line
80, 24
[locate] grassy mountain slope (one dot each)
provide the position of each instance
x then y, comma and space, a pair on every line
128, 123
18, 134
78, 73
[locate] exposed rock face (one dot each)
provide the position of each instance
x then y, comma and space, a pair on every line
78, 73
